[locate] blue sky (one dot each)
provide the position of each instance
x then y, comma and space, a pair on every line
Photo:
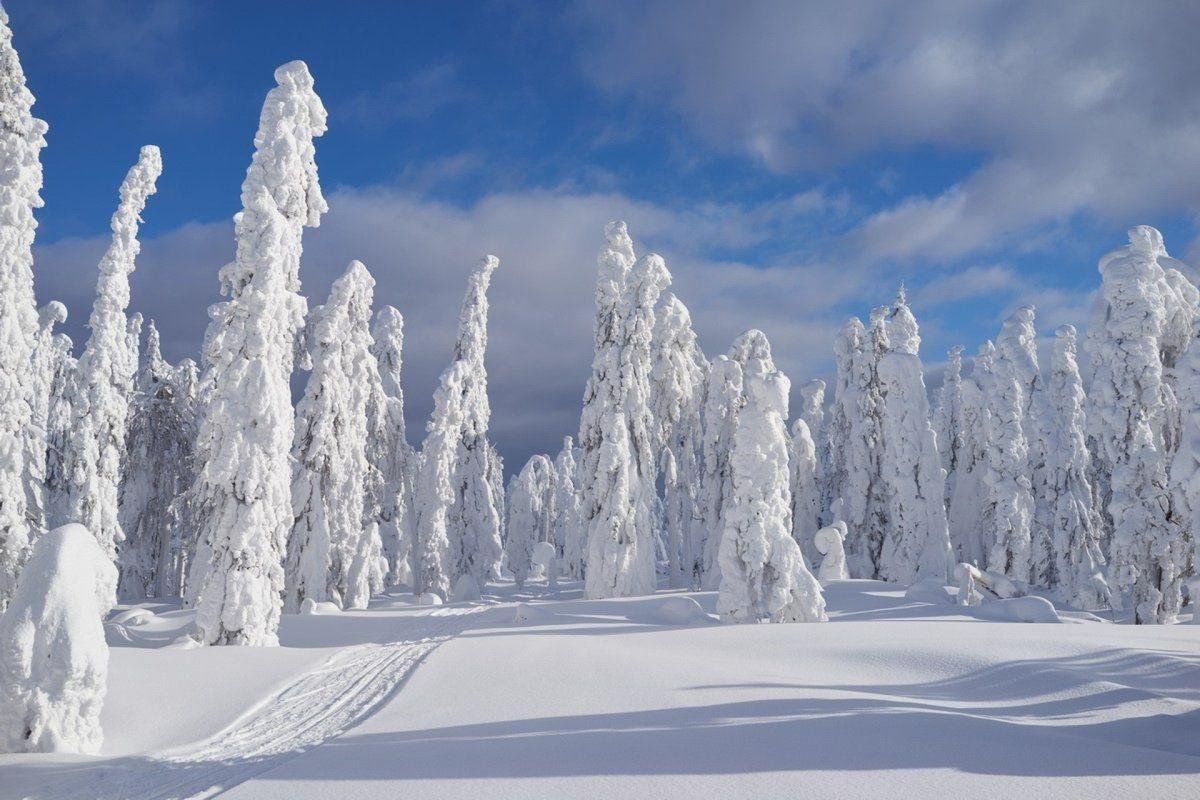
793, 162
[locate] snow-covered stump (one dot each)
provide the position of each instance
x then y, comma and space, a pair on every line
829, 543
763, 574
53, 657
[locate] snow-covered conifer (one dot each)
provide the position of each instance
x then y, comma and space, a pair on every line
568, 530
828, 543
616, 427
243, 490
59, 419
763, 574
474, 519
45, 357
1128, 416
916, 543
388, 449
54, 660
528, 515
676, 389
812, 411
970, 510
948, 419
330, 549
806, 496
1079, 563
722, 396
106, 375
22, 136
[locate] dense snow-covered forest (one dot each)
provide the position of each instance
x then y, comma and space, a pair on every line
1076, 479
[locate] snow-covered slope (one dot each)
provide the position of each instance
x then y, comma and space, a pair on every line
894, 698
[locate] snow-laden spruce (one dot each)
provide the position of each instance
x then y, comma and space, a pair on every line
812, 411
42, 369
101, 405
388, 451
916, 544
1009, 498
530, 516
22, 137
1128, 416
763, 574
243, 489
722, 396
474, 518
568, 538
59, 418
829, 543
435, 492
948, 420
53, 657
677, 379
970, 511
1079, 565
616, 427
806, 494
1017, 350
158, 470
331, 547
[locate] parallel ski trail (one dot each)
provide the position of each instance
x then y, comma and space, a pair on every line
314, 708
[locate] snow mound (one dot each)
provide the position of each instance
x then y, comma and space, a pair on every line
532, 615
132, 617
53, 656
466, 590
678, 610
929, 590
310, 607
1019, 609
427, 599
543, 555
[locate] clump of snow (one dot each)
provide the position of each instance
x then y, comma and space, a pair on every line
53, 656
829, 542
132, 616
531, 615
1019, 609
311, 607
679, 610
543, 555
466, 590
427, 599
929, 590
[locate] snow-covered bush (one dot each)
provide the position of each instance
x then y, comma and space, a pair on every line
243, 489
829, 543
763, 574
53, 657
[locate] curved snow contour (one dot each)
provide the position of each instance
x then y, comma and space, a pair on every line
312, 709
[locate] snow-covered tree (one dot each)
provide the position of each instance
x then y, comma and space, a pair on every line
22, 136
568, 529
474, 519
106, 375
1079, 564
828, 543
54, 660
1009, 500
1128, 416
677, 380
616, 428
529, 517
763, 574
916, 542
243, 490
806, 495
970, 510
435, 493
948, 419
722, 396
157, 472
59, 419
332, 545
388, 450
812, 411
45, 358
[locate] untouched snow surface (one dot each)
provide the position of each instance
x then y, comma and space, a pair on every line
607, 698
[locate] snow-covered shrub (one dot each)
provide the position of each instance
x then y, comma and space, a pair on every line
1018, 609
829, 543
929, 590
53, 657
763, 574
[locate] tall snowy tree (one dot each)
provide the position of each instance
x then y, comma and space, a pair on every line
806, 494
1079, 564
59, 420
568, 529
331, 547
1128, 415
529, 515
677, 380
616, 428
45, 358
948, 419
243, 490
106, 375
722, 396
916, 543
812, 411
763, 574
157, 471
1185, 465
388, 450
22, 137
970, 512
474, 519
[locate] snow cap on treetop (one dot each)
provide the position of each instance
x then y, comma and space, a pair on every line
1148, 240
52, 313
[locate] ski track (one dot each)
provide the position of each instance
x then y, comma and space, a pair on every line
316, 707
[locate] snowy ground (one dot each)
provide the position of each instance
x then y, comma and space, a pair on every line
598, 699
